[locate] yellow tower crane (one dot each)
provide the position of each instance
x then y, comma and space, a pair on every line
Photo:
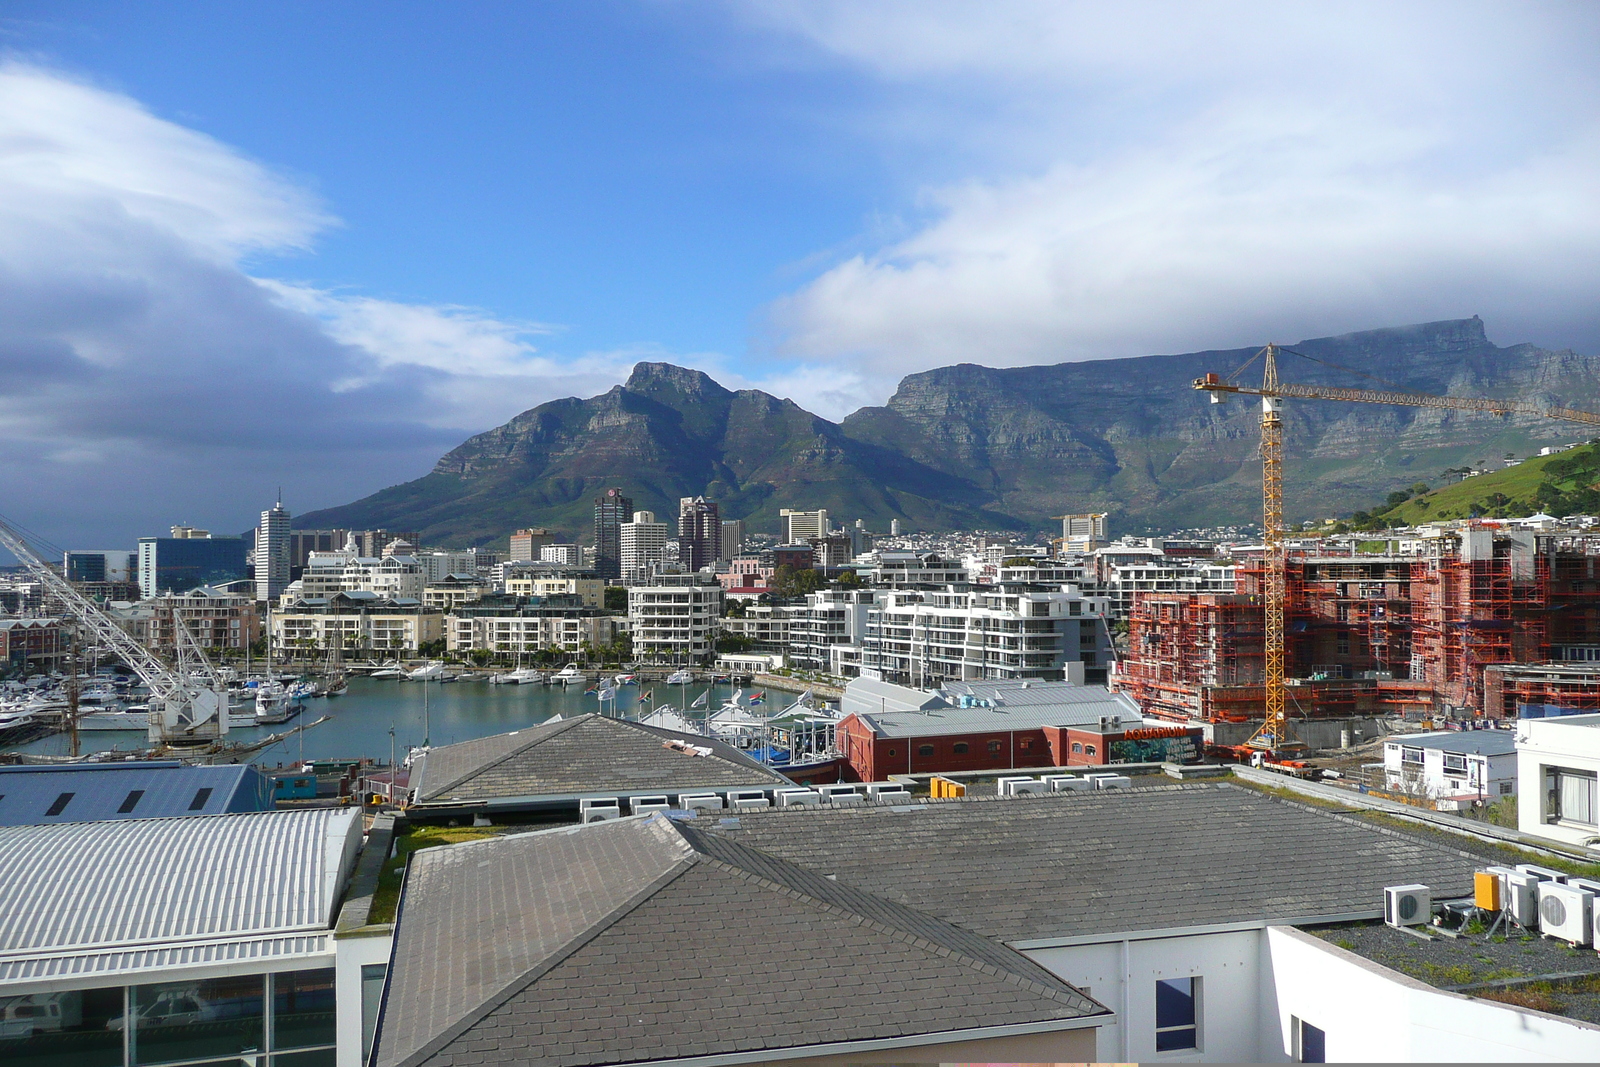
1274, 731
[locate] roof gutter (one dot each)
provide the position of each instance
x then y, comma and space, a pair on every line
846, 1048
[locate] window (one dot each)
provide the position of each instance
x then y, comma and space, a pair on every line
959, 748
200, 798
218, 1017
1505, 788
1177, 1020
130, 802
1569, 796
1077, 747
372, 976
1088, 750
60, 804
1026, 743
1454, 761
922, 750
1310, 1043
303, 1009
1410, 755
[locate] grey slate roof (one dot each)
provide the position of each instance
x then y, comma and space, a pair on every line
635, 940
588, 755
99, 791
1084, 708
1072, 864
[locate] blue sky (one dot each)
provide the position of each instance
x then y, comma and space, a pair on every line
316, 245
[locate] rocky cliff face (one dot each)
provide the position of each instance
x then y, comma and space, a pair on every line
970, 446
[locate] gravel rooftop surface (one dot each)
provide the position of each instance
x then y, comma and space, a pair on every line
1470, 960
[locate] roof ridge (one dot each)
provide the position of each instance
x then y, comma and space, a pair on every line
900, 934
552, 960
1348, 817
561, 727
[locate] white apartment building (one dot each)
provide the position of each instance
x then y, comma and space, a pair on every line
355, 620
767, 625
1455, 769
215, 620
395, 577
644, 544
531, 630
435, 565
271, 554
802, 526
924, 637
1558, 762
899, 569
566, 555
676, 617
830, 619
546, 580
453, 590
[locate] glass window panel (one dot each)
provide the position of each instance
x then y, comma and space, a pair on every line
1176, 1039
1174, 1002
303, 1009
372, 976
195, 1020
78, 1028
1313, 1044
324, 1057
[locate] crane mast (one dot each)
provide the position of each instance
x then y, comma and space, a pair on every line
1274, 731
184, 710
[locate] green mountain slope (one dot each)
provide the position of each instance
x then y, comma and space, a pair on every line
1562, 484
979, 447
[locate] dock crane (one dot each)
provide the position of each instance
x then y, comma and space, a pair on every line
188, 704
1273, 734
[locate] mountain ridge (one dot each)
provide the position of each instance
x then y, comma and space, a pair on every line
969, 446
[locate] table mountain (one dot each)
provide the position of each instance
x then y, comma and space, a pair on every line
970, 446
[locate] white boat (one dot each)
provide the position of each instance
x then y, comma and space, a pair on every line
520, 676
683, 677
386, 672
569, 675
428, 672
124, 719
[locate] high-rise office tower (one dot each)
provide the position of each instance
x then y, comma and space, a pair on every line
525, 544
732, 539
699, 532
644, 542
272, 553
611, 510
802, 526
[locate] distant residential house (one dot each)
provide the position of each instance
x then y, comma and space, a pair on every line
1461, 768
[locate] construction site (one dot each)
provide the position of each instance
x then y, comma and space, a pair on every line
1486, 620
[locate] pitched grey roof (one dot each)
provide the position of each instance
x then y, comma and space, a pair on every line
1477, 742
634, 941
1071, 864
90, 792
1086, 708
587, 755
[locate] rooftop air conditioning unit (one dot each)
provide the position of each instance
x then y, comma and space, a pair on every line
851, 799
1520, 898
1006, 786
598, 809
884, 787
1067, 783
748, 800
1544, 874
646, 805
1110, 781
798, 798
702, 801
1407, 905
1029, 786
897, 795
1566, 913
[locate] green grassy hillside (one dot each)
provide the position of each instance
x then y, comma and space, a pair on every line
1562, 484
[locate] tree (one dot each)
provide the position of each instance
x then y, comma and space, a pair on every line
734, 608
850, 580
616, 598
1418, 488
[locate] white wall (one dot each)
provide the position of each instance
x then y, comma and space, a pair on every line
1123, 976
1571, 741
1374, 1015
353, 953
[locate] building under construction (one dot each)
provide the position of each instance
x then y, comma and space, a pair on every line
1468, 628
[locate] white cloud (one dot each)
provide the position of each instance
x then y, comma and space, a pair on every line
1170, 177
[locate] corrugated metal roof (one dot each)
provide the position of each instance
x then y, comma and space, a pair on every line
71, 893
97, 791
1087, 705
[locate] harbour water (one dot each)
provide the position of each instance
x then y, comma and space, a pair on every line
457, 711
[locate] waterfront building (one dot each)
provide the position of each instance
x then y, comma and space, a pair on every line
100, 565
766, 626
438, 563
99, 792
803, 526
31, 645
611, 510
216, 620
355, 621
525, 544
272, 553
202, 938
829, 619
176, 564
675, 617
366, 542
395, 577
644, 544
519, 625
699, 533
901, 568
927, 636
550, 580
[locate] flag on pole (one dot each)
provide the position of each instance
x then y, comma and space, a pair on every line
648, 694
591, 689
700, 701
757, 699
607, 693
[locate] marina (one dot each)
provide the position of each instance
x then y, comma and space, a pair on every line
360, 720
